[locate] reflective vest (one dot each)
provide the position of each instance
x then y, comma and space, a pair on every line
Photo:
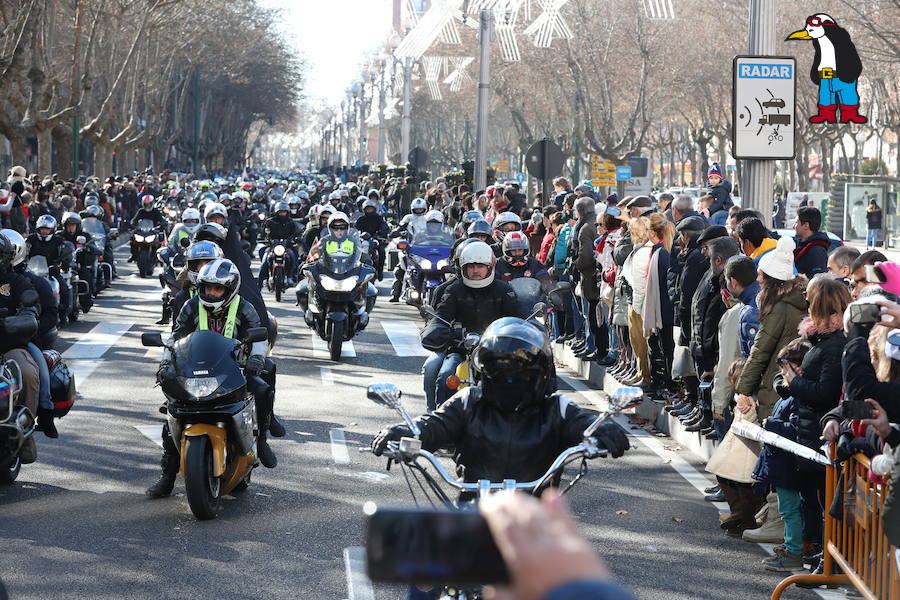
230, 318
346, 246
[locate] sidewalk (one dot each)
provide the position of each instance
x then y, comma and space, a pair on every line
892, 254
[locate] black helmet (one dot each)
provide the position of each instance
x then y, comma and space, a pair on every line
7, 251
480, 227
514, 363
212, 232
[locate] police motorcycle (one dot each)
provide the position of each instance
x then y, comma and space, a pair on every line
211, 412
100, 270
337, 294
147, 238
431, 485
427, 257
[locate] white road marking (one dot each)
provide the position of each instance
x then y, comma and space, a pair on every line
320, 348
154, 352
97, 341
327, 377
152, 433
82, 369
339, 451
358, 585
404, 337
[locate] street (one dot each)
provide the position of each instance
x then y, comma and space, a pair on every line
77, 524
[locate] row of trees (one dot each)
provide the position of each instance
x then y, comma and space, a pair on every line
628, 85
146, 81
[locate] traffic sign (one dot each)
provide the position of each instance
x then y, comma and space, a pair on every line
545, 159
764, 89
603, 182
623, 173
520, 177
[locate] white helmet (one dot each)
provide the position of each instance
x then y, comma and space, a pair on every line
214, 208
45, 222
337, 218
20, 248
190, 214
477, 253
418, 204
335, 195
218, 272
434, 216
504, 219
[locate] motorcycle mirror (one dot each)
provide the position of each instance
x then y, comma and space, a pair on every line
257, 334
385, 394
179, 261
29, 298
447, 269
538, 308
152, 339
185, 242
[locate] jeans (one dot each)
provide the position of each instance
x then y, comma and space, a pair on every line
834, 91
613, 340
436, 369
789, 509
871, 238
812, 499
577, 319
44, 400
722, 427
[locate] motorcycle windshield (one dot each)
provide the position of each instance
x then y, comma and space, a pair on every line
93, 227
336, 258
205, 360
145, 224
528, 293
430, 236
37, 265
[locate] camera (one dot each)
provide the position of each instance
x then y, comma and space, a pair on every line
864, 313
856, 409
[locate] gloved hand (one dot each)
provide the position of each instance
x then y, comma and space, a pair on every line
613, 438
255, 365
391, 434
166, 372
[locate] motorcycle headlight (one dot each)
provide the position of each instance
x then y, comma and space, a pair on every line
441, 264
278, 250
423, 263
173, 213
200, 387
261, 216
338, 285
138, 238
150, 238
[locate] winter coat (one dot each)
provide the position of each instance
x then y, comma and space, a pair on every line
707, 310
546, 245
721, 194
860, 381
811, 254
749, 323
729, 351
623, 248
584, 257
776, 329
873, 219
693, 267
775, 466
560, 251
818, 390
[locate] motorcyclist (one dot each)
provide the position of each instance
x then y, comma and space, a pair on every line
515, 404
217, 307
46, 331
473, 301
190, 222
212, 232
321, 213
148, 210
504, 223
336, 238
281, 226
44, 242
516, 261
408, 224
216, 213
19, 304
468, 217
196, 256
339, 203
374, 224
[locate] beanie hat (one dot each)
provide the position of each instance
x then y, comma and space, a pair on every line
779, 261
612, 199
17, 188
715, 169
890, 279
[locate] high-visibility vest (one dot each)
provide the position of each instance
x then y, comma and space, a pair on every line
230, 318
346, 246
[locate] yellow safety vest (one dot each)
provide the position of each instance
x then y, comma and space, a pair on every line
331, 246
230, 318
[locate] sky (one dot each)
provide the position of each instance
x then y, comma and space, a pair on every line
334, 36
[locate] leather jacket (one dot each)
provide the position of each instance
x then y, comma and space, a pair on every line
472, 308
247, 318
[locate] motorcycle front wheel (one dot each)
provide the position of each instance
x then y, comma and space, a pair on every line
10, 471
201, 486
279, 284
336, 340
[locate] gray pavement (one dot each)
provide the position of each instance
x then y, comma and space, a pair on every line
77, 524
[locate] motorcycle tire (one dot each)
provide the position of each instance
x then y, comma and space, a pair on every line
336, 341
200, 485
10, 471
86, 304
145, 269
279, 285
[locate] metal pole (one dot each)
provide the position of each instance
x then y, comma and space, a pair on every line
484, 86
362, 125
197, 122
407, 100
759, 175
381, 101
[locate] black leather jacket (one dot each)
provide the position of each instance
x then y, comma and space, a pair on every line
49, 304
280, 230
153, 214
496, 445
472, 308
51, 250
14, 285
373, 224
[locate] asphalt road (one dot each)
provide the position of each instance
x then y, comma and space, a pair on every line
76, 524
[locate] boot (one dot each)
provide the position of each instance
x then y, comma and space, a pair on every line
28, 451
826, 114
772, 530
849, 114
166, 315
275, 427
264, 414
45, 423
166, 482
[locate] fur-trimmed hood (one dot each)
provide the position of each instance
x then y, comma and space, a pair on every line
811, 329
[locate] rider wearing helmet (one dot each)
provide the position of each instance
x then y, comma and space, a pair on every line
212, 232
506, 222
514, 364
408, 224
374, 224
280, 226
45, 242
516, 261
216, 213
218, 307
474, 301
147, 211
190, 223
468, 217
318, 223
196, 256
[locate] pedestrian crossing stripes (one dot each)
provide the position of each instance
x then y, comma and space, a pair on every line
404, 337
97, 341
320, 347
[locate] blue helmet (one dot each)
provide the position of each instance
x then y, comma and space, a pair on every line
198, 254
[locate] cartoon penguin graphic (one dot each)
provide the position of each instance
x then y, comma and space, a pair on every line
835, 69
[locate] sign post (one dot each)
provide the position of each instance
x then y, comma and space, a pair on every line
545, 160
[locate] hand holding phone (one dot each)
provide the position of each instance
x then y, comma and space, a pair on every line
857, 409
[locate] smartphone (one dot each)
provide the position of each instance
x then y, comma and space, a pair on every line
856, 409
704, 385
865, 313
432, 547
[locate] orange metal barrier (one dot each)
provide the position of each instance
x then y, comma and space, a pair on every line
856, 544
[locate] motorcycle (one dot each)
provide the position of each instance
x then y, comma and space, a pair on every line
337, 296
71, 277
414, 461
211, 412
168, 279
103, 270
146, 240
426, 257
275, 262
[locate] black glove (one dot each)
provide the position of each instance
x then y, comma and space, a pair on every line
166, 372
255, 365
391, 434
613, 438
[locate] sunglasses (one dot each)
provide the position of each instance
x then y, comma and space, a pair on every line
817, 22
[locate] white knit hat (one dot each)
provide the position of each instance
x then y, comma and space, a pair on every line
779, 262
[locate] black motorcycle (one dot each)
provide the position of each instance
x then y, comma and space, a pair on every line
171, 262
211, 411
146, 240
337, 295
274, 261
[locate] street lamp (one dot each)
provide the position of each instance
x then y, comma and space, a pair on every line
382, 142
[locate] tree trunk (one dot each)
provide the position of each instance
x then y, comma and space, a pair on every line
62, 140
102, 159
19, 153
44, 150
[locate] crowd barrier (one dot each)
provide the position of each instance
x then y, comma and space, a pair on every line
856, 551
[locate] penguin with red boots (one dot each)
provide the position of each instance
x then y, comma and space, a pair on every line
835, 69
